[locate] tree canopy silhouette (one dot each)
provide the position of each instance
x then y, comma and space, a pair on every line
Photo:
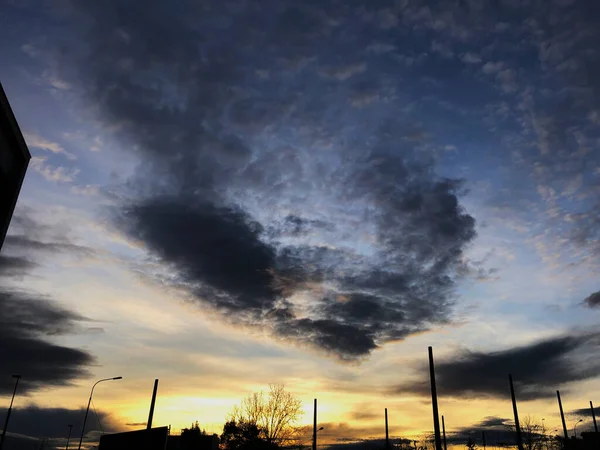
275, 415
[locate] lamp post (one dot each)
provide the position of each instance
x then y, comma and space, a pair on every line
575, 428
315, 443
18, 377
69, 436
88, 407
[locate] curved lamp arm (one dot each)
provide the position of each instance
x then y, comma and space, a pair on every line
88, 406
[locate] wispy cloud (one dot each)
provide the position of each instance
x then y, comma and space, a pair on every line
58, 174
36, 141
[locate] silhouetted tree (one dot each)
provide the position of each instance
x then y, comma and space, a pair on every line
533, 434
192, 437
244, 435
275, 414
471, 444
194, 430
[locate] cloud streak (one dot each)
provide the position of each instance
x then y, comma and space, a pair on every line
538, 369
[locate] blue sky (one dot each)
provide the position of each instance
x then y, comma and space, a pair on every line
272, 187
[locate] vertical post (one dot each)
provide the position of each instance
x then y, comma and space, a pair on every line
483, 439
314, 443
444, 434
151, 415
18, 377
436, 418
562, 417
516, 414
594, 417
69, 437
387, 436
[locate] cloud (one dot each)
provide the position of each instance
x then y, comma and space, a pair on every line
88, 190
492, 67
263, 210
40, 422
27, 322
443, 49
14, 266
593, 300
364, 415
57, 174
344, 435
508, 80
343, 72
538, 369
497, 431
380, 48
136, 424
36, 141
470, 58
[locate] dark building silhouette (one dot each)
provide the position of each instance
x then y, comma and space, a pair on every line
157, 439
152, 439
590, 441
202, 442
14, 158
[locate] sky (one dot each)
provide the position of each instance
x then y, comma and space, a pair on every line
227, 194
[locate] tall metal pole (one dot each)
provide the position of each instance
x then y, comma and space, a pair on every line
88, 407
387, 436
436, 418
444, 433
18, 377
594, 417
483, 439
69, 437
314, 443
562, 417
151, 415
516, 414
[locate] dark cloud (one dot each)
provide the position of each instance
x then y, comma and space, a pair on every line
585, 413
136, 424
369, 444
593, 300
498, 431
14, 265
492, 421
538, 369
28, 320
252, 189
27, 324
219, 247
365, 415
26, 244
39, 422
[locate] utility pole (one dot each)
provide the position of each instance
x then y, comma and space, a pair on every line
483, 439
152, 402
436, 417
444, 433
562, 417
69, 437
387, 436
516, 414
18, 377
594, 417
314, 443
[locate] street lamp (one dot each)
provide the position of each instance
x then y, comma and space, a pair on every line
575, 428
69, 436
315, 437
88, 407
18, 377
